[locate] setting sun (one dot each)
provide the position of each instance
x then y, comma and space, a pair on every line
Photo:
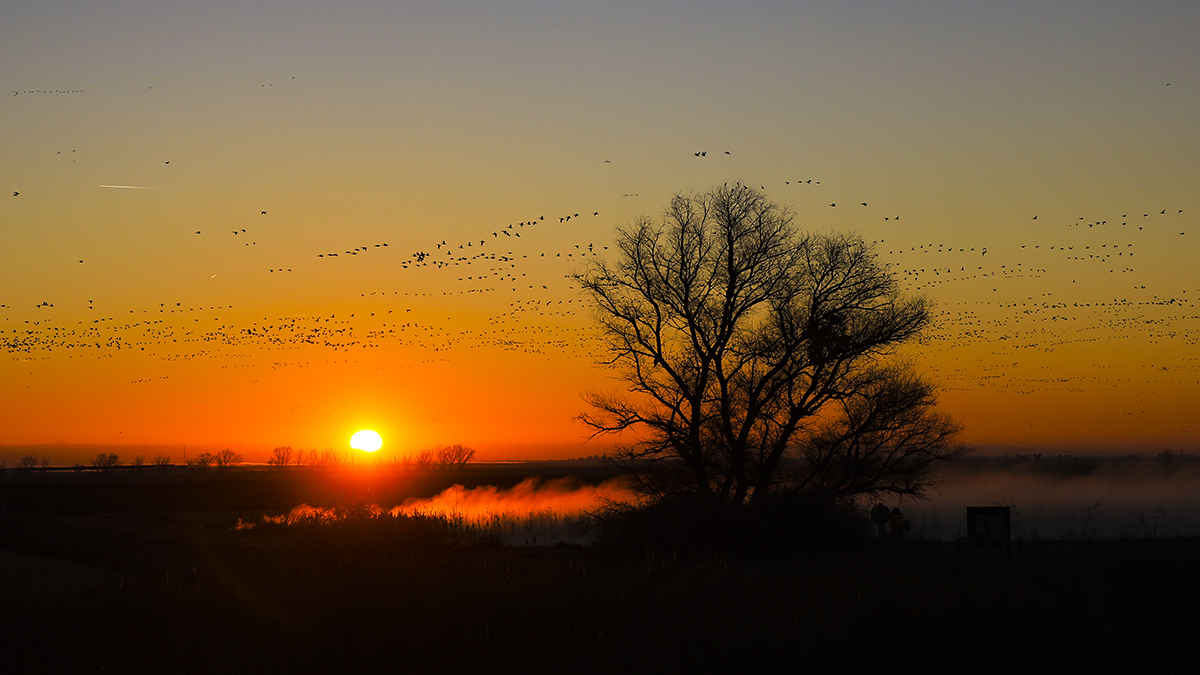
366, 440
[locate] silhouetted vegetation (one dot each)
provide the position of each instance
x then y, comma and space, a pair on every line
281, 457
442, 457
202, 461
227, 458
761, 366
106, 460
161, 582
453, 456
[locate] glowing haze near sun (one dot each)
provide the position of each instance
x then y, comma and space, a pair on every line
371, 211
366, 440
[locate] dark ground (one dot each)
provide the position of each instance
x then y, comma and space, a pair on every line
143, 573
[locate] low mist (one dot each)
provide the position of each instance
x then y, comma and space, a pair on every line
1106, 500
1084, 500
531, 513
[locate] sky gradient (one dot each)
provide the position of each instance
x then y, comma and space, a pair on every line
185, 170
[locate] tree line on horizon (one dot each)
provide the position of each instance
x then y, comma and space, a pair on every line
441, 457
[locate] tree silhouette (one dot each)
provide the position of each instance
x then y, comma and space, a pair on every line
202, 461
424, 459
328, 459
761, 360
281, 456
106, 460
227, 458
452, 456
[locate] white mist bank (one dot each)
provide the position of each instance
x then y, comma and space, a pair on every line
1111, 501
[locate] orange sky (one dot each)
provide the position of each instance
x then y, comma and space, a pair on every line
412, 126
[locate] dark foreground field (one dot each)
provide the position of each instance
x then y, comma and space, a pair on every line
144, 573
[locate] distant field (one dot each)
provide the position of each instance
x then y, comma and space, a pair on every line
256, 489
128, 572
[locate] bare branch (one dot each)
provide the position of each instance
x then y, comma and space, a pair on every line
748, 346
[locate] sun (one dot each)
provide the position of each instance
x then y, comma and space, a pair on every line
366, 440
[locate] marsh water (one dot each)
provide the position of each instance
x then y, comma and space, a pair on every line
1065, 498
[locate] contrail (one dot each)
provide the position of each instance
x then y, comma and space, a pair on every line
129, 187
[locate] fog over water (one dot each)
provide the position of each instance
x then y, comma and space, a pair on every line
1066, 499
1059, 499
531, 513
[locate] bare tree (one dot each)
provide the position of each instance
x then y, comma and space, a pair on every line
226, 459
452, 456
424, 459
1167, 457
281, 457
306, 458
328, 459
105, 461
202, 461
761, 360
27, 463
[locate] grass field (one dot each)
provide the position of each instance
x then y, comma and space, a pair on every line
149, 573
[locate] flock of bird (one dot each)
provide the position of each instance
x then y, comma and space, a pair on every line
996, 301
54, 90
